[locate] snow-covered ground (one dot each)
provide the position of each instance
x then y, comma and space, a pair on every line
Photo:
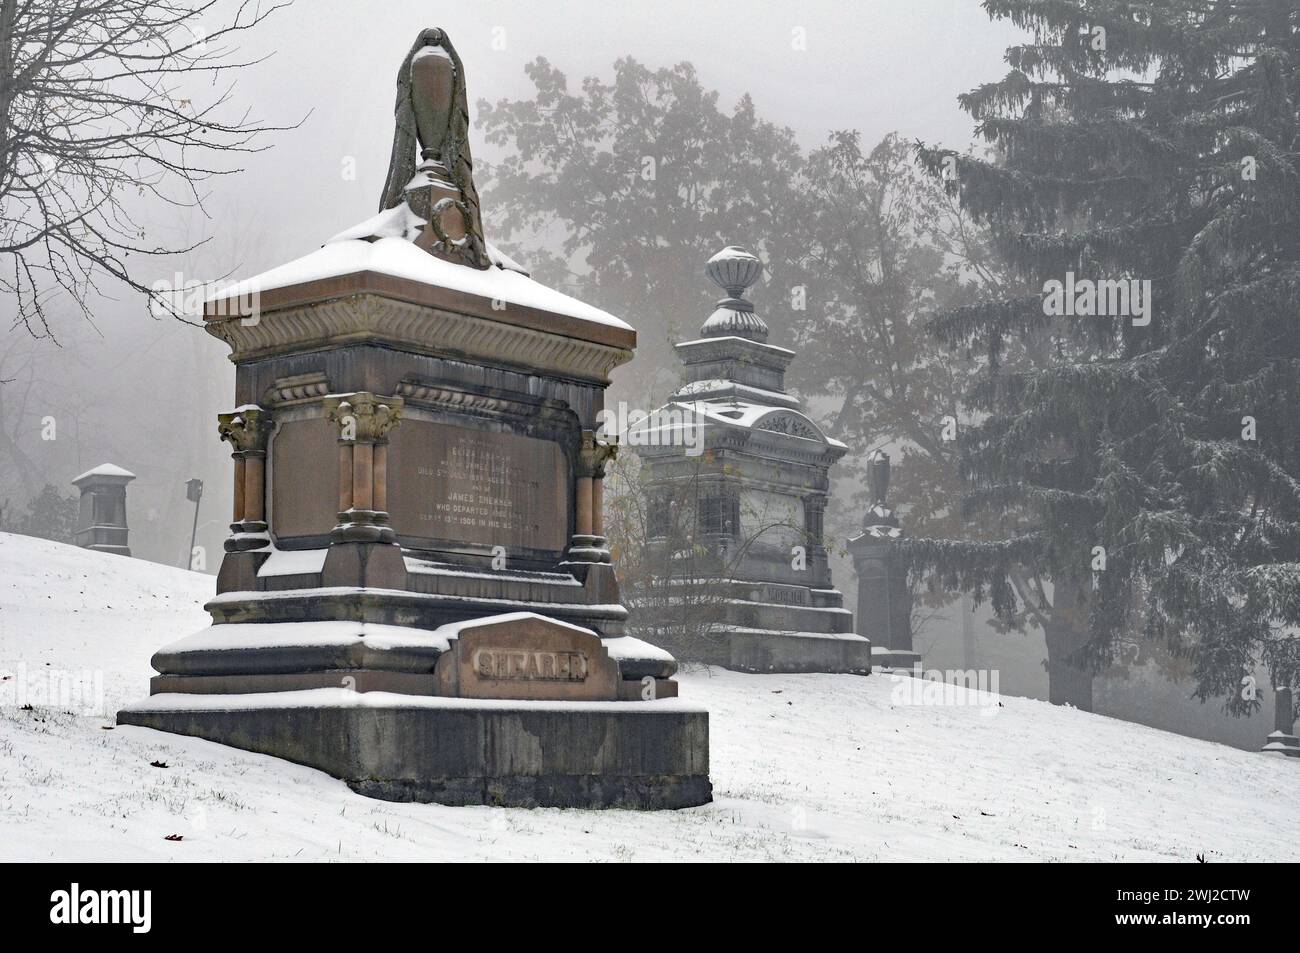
809, 767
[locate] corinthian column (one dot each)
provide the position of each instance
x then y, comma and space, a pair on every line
589, 544
364, 421
247, 431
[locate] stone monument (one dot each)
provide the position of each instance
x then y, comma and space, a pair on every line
1282, 739
416, 594
760, 486
101, 519
884, 599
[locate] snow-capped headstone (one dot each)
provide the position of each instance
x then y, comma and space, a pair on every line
101, 519
525, 655
415, 446
1282, 739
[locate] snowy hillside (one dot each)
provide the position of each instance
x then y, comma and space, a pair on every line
810, 767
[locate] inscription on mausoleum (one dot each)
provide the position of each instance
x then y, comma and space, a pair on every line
493, 489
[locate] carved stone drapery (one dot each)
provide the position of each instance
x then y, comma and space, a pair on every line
432, 111
879, 515
364, 421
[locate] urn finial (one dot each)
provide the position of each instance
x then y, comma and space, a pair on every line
879, 514
431, 169
733, 270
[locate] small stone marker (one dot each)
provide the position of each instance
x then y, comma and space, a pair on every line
527, 656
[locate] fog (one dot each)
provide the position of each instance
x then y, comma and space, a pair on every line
143, 392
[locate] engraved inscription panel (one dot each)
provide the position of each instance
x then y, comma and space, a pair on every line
495, 663
454, 484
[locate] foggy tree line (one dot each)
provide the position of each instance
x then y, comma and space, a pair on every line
1099, 483
1107, 479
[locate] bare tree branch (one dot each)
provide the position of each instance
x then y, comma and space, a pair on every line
100, 113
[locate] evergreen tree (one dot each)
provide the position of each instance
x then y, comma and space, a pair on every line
1148, 477
50, 515
881, 247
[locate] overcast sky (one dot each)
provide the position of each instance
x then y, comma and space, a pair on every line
875, 65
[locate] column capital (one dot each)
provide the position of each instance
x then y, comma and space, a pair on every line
595, 454
246, 429
364, 417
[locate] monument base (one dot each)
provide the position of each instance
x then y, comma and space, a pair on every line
771, 652
895, 659
461, 751
1280, 742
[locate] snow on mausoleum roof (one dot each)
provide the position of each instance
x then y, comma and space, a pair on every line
383, 244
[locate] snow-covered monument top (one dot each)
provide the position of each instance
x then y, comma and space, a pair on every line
734, 378
418, 488
429, 221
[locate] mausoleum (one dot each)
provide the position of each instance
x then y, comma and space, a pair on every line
756, 474
417, 595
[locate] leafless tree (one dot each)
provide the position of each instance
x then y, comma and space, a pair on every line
677, 576
105, 105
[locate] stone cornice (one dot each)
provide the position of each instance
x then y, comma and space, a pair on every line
299, 388
761, 444
718, 349
370, 306
438, 396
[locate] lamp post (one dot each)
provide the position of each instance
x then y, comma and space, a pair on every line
193, 492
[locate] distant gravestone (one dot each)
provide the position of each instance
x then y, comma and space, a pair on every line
1282, 740
884, 599
417, 516
101, 519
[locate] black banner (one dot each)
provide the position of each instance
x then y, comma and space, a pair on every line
140, 902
